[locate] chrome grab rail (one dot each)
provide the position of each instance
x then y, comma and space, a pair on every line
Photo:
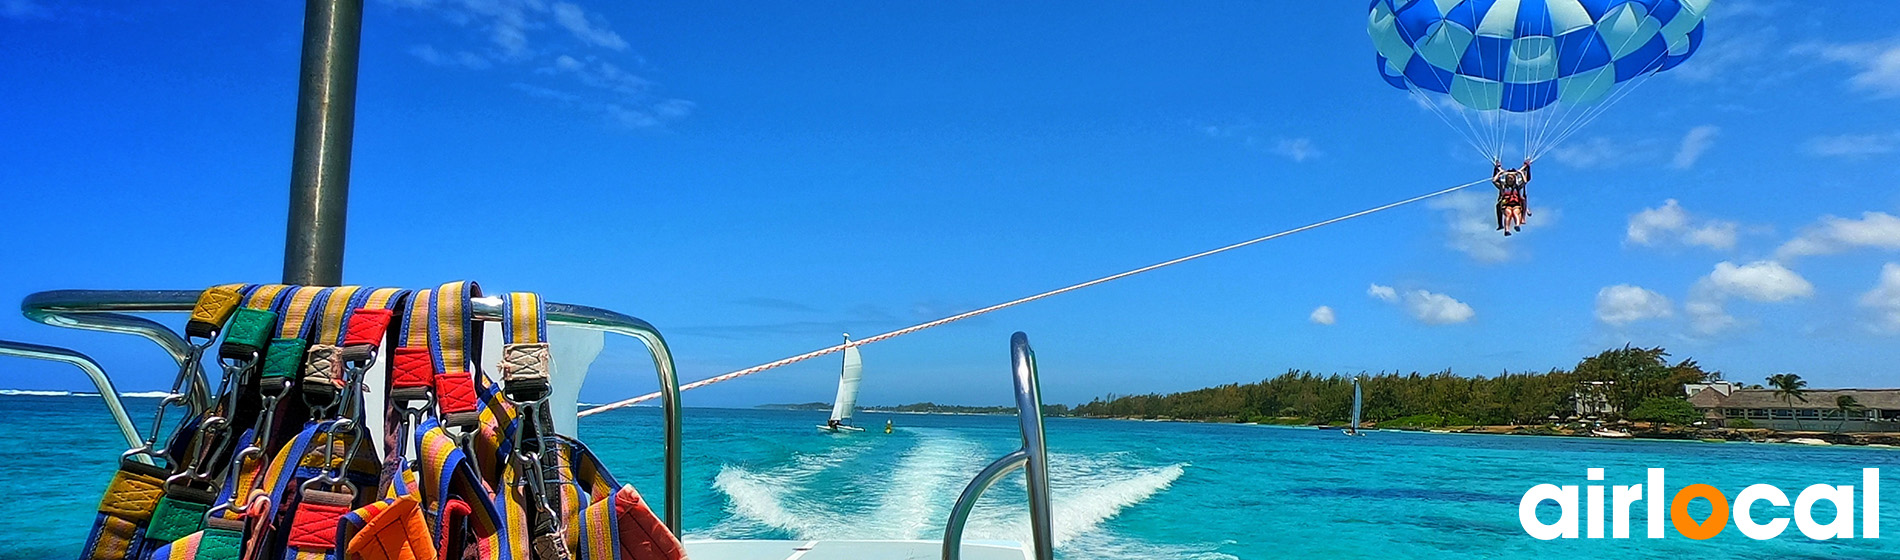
103, 310
1033, 458
99, 379
42, 307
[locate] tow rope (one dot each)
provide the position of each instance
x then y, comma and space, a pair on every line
1012, 303
282, 465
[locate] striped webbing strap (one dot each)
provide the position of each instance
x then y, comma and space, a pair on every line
127, 506
525, 361
322, 380
412, 367
189, 494
454, 341
532, 493
225, 525
460, 503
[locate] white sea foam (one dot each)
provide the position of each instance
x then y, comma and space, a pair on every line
922, 486
917, 491
146, 394
760, 499
33, 393
1085, 490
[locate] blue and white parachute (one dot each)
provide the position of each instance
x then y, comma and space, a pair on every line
1545, 66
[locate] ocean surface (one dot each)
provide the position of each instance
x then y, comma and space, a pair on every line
1122, 489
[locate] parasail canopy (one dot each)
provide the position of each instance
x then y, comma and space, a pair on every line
1544, 68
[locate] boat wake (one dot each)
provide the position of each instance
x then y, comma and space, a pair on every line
834, 495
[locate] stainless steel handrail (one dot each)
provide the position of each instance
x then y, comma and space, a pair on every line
103, 310
38, 308
1033, 458
99, 379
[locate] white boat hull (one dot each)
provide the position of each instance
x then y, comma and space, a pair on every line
837, 429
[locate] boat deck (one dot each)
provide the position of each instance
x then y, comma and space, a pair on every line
849, 550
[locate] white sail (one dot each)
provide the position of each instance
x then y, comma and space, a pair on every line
1356, 401
847, 400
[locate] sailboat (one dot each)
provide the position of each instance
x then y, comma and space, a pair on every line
847, 401
1358, 402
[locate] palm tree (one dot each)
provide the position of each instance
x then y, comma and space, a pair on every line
1846, 405
1790, 388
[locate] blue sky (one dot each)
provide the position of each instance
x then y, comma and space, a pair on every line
755, 178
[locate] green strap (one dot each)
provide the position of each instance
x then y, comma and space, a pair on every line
176, 518
284, 358
219, 543
250, 329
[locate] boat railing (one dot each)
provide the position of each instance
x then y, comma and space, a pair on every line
92, 370
107, 310
1032, 458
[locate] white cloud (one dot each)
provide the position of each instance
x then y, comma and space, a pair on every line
517, 40
1884, 299
1588, 153
589, 29
1322, 316
1437, 309
1694, 144
1853, 146
1382, 293
1471, 225
1623, 304
1708, 317
1428, 307
1876, 64
464, 59
1877, 230
23, 9
1669, 223
1743, 47
1297, 149
1759, 281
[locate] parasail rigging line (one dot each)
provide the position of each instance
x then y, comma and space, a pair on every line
1013, 303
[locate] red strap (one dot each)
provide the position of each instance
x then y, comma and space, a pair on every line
367, 326
455, 510
315, 523
411, 368
642, 535
455, 392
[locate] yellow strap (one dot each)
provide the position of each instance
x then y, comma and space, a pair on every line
382, 298
417, 320
525, 311
330, 325
265, 295
291, 324
215, 305
451, 300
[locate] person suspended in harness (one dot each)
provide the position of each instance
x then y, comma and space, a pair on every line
1513, 205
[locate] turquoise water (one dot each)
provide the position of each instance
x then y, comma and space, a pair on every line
1123, 489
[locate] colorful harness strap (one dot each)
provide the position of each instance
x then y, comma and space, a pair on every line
530, 506
189, 493
411, 382
454, 340
323, 376
118, 533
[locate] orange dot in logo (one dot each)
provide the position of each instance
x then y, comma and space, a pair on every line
1707, 528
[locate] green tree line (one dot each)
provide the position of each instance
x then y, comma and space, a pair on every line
1629, 376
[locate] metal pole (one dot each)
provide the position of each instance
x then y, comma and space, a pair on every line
320, 162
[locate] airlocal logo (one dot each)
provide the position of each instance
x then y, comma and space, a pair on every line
1651, 494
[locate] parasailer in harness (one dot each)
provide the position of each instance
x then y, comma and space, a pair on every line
1513, 205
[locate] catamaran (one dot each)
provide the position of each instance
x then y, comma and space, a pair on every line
847, 401
1358, 401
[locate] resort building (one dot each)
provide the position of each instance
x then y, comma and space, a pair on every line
1877, 410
